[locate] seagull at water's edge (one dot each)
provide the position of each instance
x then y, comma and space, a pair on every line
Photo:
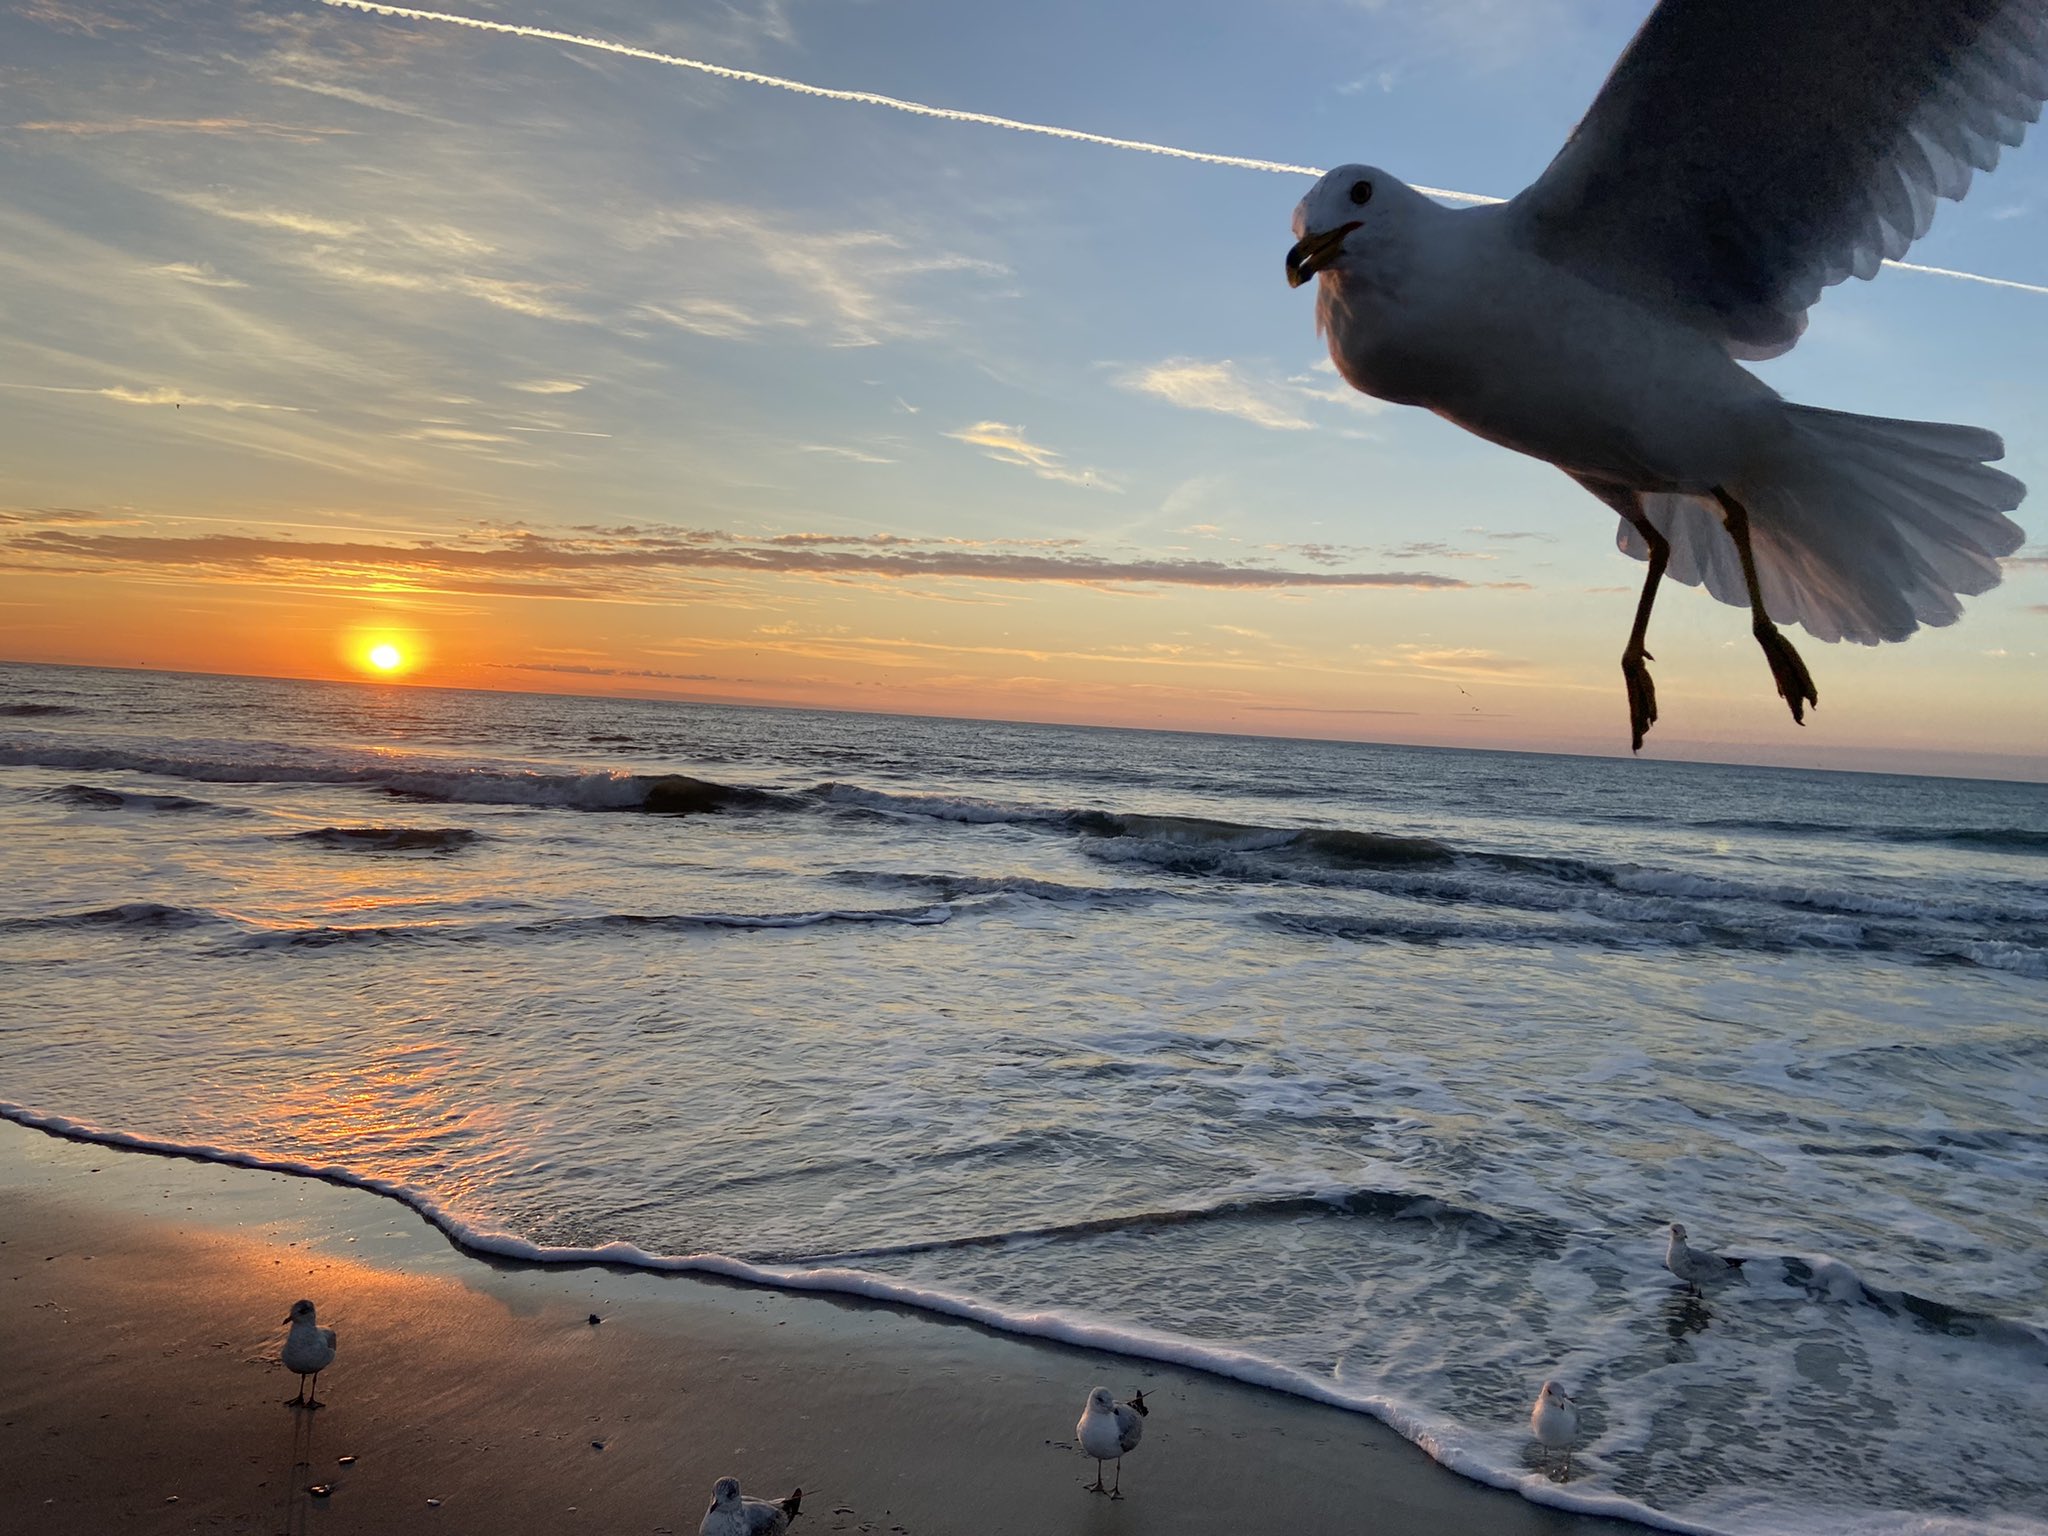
308, 1350
1743, 155
1110, 1431
1696, 1266
732, 1513
1555, 1422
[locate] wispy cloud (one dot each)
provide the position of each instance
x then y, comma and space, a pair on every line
1460, 659
1220, 386
549, 386
1008, 445
853, 455
198, 272
238, 127
128, 394
616, 563
849, 283
1509, 8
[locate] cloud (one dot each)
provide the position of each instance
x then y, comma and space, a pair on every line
230, 126
1196, 385
1461, 659
49, 516
549, 386
623, 563
856, 455
198, 272
1008, 445
578, 670
847, 282
161, 395
1482, 19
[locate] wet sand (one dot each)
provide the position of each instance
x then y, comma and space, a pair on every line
141, 1307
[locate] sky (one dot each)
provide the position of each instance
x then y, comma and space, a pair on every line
562, 370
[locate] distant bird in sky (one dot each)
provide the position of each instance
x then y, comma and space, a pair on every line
1555, 1422
1742, 156
1696, 1266
308, 1350
732, 1513
1110, 1431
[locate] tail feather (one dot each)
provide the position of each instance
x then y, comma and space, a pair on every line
1864, 528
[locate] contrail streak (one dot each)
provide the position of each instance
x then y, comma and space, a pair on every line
986, 120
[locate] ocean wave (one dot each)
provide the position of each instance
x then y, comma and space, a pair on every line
2001, 839
36, 711
1443, 1439
1374, 1204
949, 887
390, 839
909, 917
142, 916
92, 797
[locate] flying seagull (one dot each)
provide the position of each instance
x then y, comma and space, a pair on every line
308, 1350
732, 1513
1743, 155
1110, 1431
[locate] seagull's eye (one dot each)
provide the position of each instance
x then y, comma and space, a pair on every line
1361, 192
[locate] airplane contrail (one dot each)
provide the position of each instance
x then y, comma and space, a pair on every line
985, 119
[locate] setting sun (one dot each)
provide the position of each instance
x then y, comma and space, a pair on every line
386, 657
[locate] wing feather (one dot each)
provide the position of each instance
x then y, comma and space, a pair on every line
1746, 154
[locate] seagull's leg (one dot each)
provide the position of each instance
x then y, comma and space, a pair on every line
300, 1400
1795, 684
1567, 1465
1096, 1486
312, 1397
1642, 693
1118, 1491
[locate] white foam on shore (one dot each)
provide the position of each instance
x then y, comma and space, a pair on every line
1443, 1440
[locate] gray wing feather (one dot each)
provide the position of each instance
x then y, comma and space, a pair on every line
1130, 1428
1745, 154
765, 1519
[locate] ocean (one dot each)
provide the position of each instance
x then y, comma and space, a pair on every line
1369, 1073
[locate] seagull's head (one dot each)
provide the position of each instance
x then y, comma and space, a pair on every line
1101, 1401
1676, 1231
302, 1312
725, 1493
1554, 1392
1351, 201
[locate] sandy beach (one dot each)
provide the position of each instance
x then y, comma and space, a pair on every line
140, 1390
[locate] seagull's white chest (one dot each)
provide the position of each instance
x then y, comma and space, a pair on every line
1555, 1422
1460, 318
1100, 1435
308, 1348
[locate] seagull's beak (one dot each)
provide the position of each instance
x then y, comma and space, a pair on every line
1314, 252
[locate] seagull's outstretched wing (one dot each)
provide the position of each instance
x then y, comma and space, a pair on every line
1744, 154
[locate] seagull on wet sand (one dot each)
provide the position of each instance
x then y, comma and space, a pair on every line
1109, 1431
1555, 1422
309, 1350
732, 1513
1742, 156
1696, 1266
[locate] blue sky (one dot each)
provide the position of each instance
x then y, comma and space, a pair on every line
581, 372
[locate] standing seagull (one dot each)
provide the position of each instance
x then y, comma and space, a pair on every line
1743, 155
1696, 1265
309, 1350
1110, 1431
1555, 1421
733, 1514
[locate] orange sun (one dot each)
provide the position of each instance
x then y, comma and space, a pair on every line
385, 657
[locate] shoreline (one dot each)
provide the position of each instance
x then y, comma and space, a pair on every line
893, 1418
